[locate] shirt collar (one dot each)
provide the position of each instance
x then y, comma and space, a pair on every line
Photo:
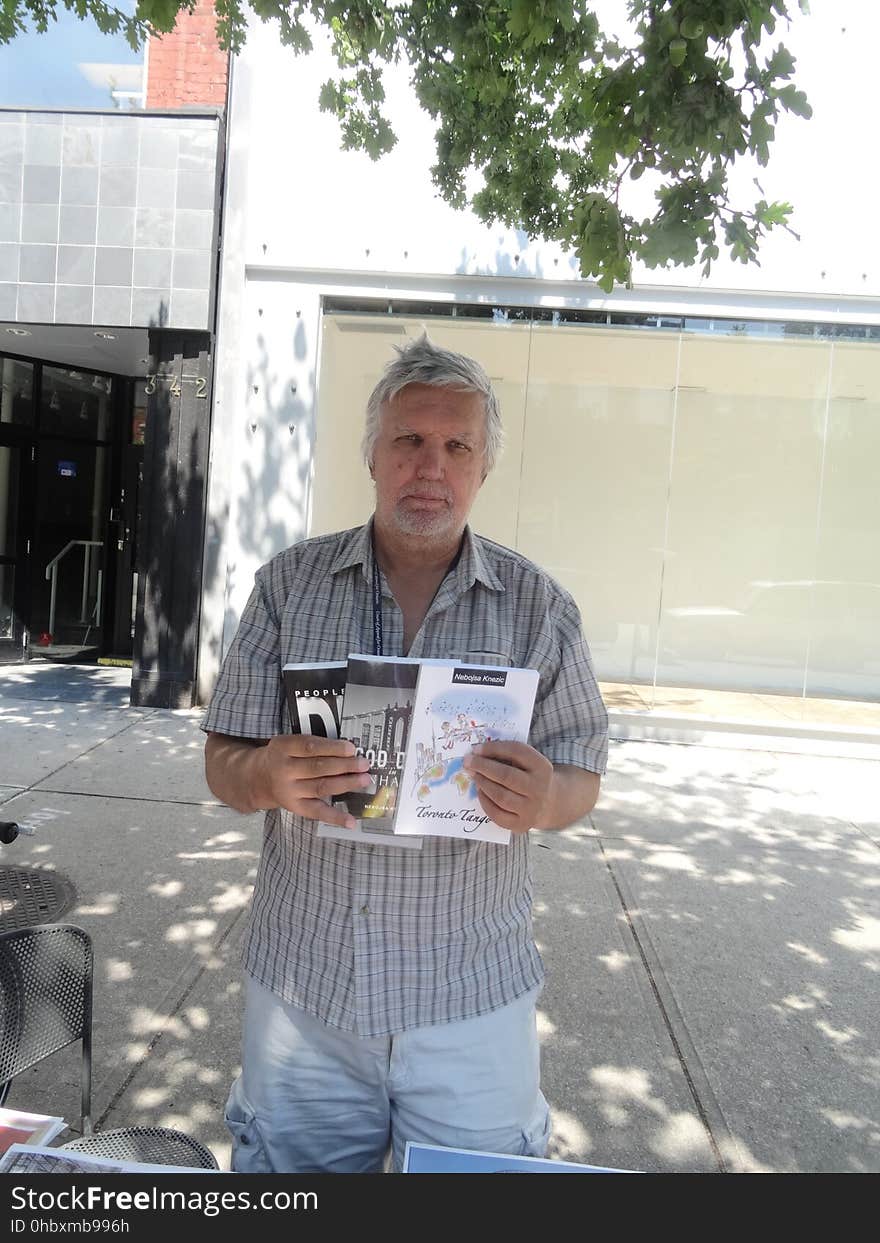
356, 548
472, 565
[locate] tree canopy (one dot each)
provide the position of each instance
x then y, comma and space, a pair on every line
558, 116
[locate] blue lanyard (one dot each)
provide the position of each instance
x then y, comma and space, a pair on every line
377, 606
377, 596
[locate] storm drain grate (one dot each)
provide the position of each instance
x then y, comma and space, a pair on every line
32, 896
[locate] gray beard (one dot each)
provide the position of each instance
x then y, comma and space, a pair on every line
439, 525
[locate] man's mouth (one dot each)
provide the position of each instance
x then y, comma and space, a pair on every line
418, 498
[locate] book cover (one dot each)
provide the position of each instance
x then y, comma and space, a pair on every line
315, 695
376, 714
22, 1128
432, 1159
457, 707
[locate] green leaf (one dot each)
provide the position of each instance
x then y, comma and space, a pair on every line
781, 63
794, 101
677, 51
691, 28
773, 213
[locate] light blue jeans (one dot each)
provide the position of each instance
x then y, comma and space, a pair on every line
313, 1099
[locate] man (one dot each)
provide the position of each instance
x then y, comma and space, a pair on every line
391, 992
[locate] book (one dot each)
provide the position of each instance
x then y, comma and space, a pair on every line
21, 1128
458, 706
416, 720
376, 712
315, 694
314, 697
432, 1159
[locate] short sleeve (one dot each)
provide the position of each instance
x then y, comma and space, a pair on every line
570, 722
248, 700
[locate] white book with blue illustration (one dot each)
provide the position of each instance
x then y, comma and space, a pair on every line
457, 707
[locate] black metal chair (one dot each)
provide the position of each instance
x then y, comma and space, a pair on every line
45, 1001
157, 1145
46, 976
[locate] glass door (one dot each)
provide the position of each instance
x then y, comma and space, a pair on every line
16, 495
67, 594
13, 459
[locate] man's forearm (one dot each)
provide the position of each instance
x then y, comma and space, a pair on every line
573, 793
232, 770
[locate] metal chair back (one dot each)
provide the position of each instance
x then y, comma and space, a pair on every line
158, 1145
46, 1001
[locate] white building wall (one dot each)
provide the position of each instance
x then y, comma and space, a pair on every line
304, 219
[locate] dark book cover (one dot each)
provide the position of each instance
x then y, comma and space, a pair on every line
314, 697
376, 714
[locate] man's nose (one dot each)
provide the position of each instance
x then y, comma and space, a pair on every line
430, 461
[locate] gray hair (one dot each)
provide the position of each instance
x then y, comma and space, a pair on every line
422, 362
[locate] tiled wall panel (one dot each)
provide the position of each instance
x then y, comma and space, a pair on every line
108, 219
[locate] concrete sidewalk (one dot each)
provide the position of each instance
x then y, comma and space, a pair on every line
712, 936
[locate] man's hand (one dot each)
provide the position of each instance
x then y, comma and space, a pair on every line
513, 783
302, 773
298, 772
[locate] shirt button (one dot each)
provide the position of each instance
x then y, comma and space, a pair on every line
365, 910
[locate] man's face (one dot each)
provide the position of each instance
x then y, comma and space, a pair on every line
428, 463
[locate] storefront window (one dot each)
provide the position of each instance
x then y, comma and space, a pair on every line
75, 403
8, 501
17, 399
7, 597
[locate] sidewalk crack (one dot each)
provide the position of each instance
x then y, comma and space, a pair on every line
170, 1012
665, 1005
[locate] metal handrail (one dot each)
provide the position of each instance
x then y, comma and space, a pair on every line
52, 572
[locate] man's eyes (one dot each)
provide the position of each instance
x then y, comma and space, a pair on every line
456, 446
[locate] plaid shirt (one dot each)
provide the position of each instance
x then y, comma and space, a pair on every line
375, 939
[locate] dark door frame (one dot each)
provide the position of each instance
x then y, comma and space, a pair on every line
117, 595
15, 650
22, 437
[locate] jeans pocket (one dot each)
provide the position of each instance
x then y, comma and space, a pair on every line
537, 1136
248, 1152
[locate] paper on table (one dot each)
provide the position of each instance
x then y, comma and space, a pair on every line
431, 1159
25, 1159
22, 1128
